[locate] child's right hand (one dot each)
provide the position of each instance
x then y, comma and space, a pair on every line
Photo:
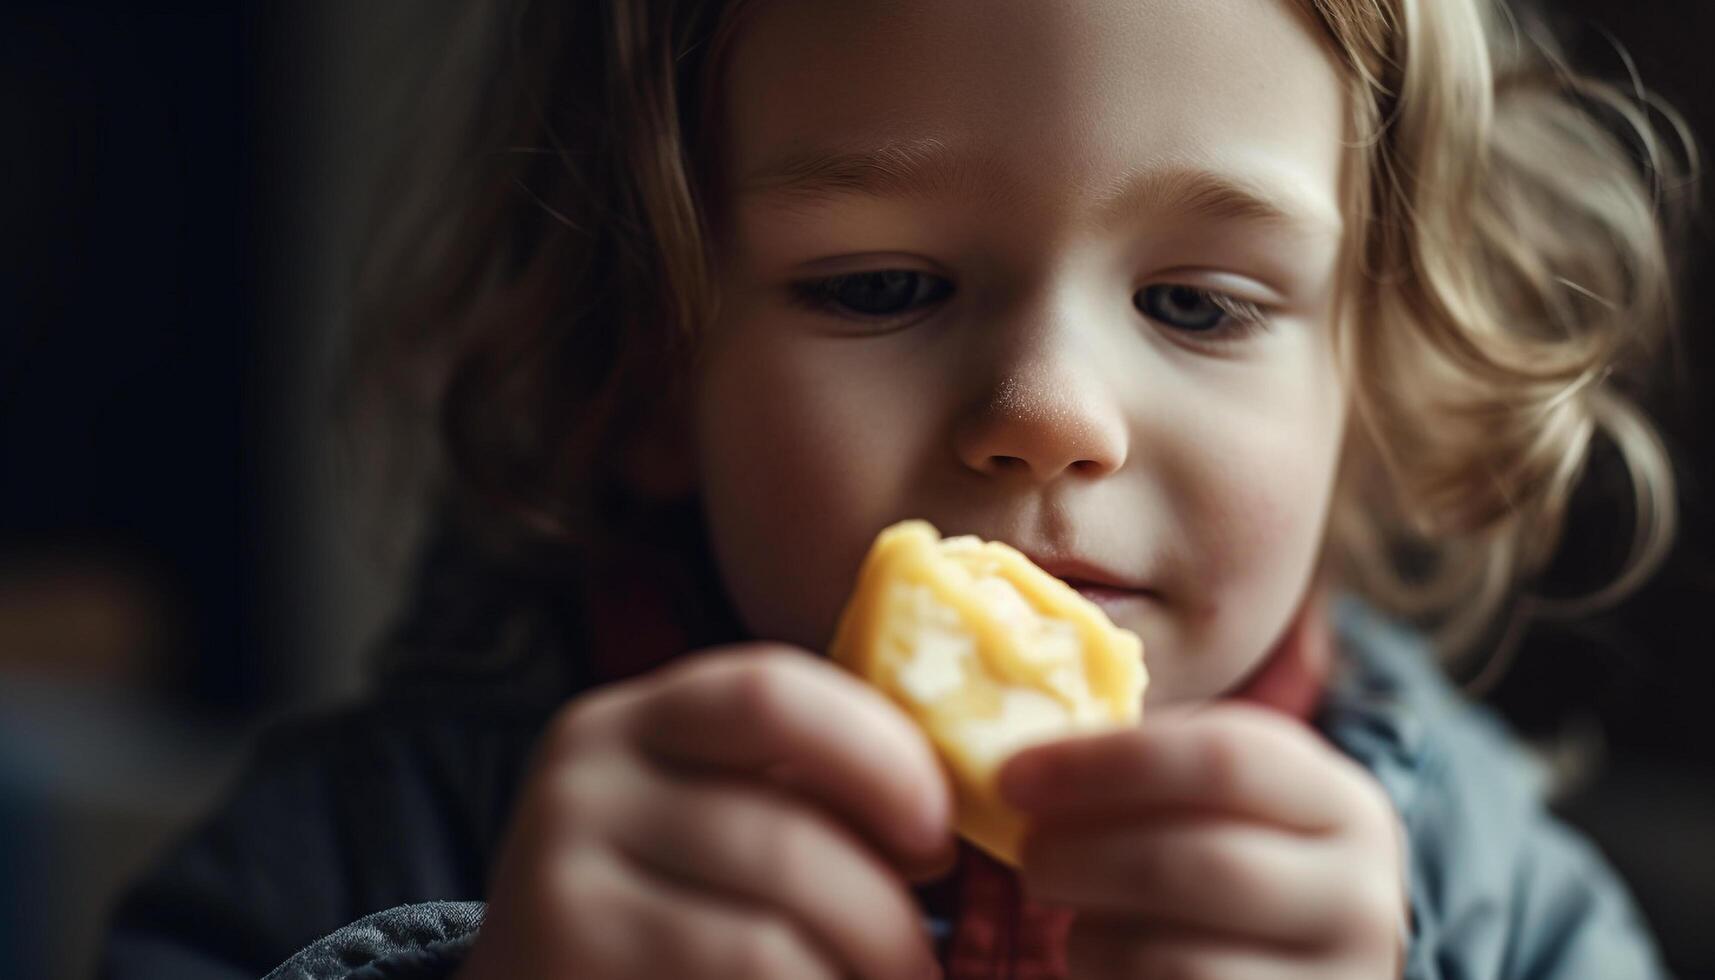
753, 811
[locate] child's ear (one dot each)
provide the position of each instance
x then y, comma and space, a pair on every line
661, 464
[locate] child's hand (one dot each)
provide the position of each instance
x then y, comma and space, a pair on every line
1228, 842
751, 812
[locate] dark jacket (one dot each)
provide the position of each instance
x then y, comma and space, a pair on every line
357, 843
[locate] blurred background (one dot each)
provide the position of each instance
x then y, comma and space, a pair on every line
186, 550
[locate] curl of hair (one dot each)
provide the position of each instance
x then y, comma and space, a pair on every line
537, 265
1512, 237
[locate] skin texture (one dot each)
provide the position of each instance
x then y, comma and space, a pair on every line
1035, 404
753, 811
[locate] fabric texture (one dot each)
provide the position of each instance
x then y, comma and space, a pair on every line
426, 940
357, 842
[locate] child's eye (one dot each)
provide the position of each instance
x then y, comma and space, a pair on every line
881, 294
887, 294
1198, 311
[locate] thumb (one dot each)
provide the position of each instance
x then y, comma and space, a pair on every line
935, 867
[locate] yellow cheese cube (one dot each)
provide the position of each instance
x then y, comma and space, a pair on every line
989, 654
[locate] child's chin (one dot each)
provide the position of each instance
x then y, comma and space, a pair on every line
1187, 676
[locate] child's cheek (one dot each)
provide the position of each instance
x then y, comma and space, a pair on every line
801, 457
1253, 484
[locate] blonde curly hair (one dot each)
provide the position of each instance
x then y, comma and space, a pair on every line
540, 266
1514, 272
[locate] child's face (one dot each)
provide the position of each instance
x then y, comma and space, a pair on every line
1032, 373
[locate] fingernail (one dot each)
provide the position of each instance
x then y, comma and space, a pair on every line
936, 867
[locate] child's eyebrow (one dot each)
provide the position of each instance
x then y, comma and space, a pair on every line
927, 168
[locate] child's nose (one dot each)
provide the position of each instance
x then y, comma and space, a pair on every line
1043, 422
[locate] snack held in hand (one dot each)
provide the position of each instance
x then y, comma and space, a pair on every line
990, 654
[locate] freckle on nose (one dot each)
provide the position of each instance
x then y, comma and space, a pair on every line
1049, 404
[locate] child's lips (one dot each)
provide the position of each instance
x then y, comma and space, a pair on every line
1113, 591
1079, 573
1110, 598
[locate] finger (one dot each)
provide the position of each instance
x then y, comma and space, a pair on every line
934, 869
755, 843
1101, 948
844, 743
636, 925
1226, 875
1233, 758
915, 868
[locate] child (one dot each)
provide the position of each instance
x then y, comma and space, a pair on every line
1232, 306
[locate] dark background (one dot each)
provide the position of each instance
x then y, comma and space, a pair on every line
183, 553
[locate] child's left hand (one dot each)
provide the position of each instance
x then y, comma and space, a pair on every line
1229, 841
